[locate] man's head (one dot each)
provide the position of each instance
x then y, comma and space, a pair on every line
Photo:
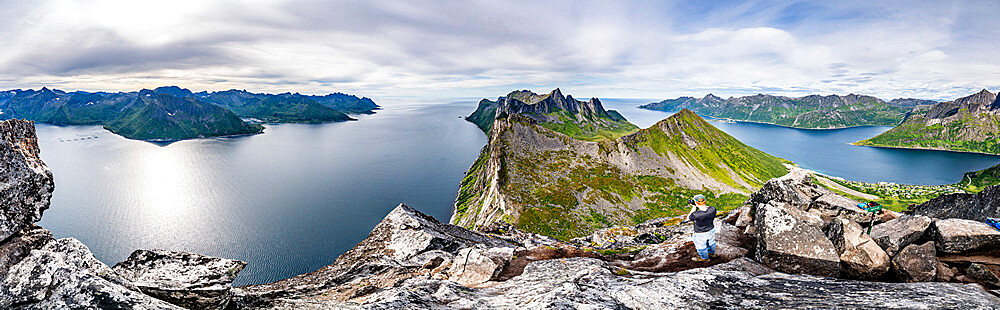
699, 199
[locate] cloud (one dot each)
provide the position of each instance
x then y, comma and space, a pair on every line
485, 48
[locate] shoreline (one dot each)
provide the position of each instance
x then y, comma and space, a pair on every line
920, 148
772, 124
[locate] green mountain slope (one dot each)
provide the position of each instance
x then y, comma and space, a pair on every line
545, 181
976, 181
968, 124
164, 117
286, 109
119, 110
585, 120
812, 112
282, 108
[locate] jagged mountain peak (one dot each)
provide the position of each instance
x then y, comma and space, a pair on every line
579, 119
556, 92
983, 100
983, 97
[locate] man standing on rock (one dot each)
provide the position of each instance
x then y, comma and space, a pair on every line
702, 216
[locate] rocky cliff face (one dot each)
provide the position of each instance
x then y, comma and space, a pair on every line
974, 103
976, 207
25, 182
587, 120
40, 272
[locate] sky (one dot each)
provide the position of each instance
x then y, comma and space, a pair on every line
449, 49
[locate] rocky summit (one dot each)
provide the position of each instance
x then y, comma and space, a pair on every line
792, 244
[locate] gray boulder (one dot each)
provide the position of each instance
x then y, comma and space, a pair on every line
477, 265
896, 234
860, 256
984, 274
798, 189
25, 182
916, 263
790, 240
959, 236
188, 280
65, 275
404, 233
944, 273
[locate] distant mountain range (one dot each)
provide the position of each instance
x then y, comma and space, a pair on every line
811, 112
967, 124
173, 113
564, 168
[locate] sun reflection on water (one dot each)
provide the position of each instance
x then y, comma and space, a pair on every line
165, 175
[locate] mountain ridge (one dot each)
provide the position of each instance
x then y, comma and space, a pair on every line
967, 124
587, 120
807, 112
116, 111
544, 180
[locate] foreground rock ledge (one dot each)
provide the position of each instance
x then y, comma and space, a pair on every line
369, 277
186, 279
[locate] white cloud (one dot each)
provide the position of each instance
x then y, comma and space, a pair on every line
486, 48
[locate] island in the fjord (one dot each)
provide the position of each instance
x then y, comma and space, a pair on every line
562, 167
967, 124
172, 113
809, 112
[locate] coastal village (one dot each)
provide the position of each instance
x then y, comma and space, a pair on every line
899, 191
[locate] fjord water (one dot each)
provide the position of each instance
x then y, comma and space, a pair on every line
288, 201
829, 151
291, 200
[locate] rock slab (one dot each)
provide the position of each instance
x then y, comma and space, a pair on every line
65, 275
477, 265
185, 279
790, 240
960, 235
896, 234
916, 263
860, 256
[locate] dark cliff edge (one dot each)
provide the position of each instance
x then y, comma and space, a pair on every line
412, 261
